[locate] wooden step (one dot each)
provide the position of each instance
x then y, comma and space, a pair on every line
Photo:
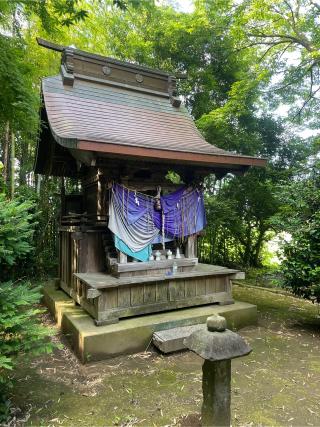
153, 267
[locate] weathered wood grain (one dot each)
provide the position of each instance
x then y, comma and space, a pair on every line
190, 288
191, 247
101, 280
137, 295
200, 286
110, 298
149, 293
210, 285
219, 298
151, 266
162, 292
180, 289
124, 296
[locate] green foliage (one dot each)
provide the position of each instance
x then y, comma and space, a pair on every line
229, 69
284, 38
240, 209
18, 100
21, 333
299, 216
238, 220
45, 263
52, 13
223, 91
17, 223
173, 177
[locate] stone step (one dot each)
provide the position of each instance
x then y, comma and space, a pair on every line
171, 340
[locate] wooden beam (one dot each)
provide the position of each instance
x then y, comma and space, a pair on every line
50, 45
170, 155
93, 293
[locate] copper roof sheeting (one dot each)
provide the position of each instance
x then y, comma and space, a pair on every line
93, 112
118, 109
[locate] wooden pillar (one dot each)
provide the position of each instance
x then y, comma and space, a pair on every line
122, 258
191, 247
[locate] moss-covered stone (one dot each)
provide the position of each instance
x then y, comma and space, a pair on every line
132, 335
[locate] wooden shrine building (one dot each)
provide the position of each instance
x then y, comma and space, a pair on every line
118, 128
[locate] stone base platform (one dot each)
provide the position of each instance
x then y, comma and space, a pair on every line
133, 335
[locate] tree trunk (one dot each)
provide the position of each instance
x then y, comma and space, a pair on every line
5, 154
23, 162
247, 246
12, 169
258, 246
38, 183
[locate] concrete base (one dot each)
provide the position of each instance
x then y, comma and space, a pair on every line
135, 334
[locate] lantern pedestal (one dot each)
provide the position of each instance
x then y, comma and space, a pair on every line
217, 346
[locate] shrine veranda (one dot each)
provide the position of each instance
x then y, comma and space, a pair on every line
114, 125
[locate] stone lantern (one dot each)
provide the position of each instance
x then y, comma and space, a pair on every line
217, 346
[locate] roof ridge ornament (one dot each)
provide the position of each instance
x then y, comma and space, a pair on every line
106, 70
172, 90
67, 66
79, 64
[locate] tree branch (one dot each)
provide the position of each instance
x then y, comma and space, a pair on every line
306, 102
316, 5
291, 13
274, 45
287, 37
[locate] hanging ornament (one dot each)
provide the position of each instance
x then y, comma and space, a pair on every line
157, 203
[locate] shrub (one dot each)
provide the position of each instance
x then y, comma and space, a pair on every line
301, 266
300, 218
21, 332
17, 223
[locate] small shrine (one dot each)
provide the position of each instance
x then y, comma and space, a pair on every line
128, 238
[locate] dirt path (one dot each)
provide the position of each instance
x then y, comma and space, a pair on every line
278, 384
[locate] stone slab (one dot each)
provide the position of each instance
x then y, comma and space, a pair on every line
131, 335
172, 339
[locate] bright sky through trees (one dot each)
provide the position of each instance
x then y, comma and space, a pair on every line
291, 58
185, 5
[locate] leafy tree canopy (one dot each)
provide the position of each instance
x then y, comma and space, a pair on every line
299, 217
284, 36
228, 71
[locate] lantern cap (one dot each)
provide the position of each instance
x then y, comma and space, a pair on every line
216, 323
216, 343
